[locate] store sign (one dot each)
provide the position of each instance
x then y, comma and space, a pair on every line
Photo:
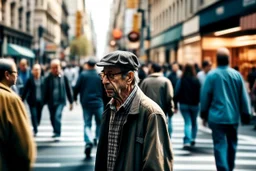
133, 36
191, 26
248, 2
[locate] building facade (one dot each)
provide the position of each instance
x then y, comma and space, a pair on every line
16, 29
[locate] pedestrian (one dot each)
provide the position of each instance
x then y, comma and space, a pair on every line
175, 74
24, 75
90, 88
57, 87
33, 93
17, 147
160, 90
187, 93
224, 100
133, 133
206, 67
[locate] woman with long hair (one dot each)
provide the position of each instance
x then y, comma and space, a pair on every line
187, 93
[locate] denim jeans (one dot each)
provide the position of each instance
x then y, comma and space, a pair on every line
190, 114
88, 112
170, 125
55, 117
225, 145
36, 113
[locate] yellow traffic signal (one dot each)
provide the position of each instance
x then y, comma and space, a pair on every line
79, 18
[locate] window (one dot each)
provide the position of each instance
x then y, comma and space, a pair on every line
28, 22
191, 6
201, 2
12, 13
20, 18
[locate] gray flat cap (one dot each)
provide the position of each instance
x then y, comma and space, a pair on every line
120, 58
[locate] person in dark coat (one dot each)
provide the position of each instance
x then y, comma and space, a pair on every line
33, 93
57, 87
90, 88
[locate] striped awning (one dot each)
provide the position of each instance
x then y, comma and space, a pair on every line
248, 22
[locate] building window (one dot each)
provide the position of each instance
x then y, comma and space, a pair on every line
3, 11
20, 18
42, 3
201, 2
28, 22
191, 6
12, 13
36, 3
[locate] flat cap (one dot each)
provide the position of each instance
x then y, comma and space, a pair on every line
120, 58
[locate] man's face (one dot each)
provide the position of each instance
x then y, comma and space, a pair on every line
208, 68
12, 75
113, 82
55, 69
36, 71
23, 65
175, 67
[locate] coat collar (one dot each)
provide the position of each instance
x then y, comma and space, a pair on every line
156, 74
6, 88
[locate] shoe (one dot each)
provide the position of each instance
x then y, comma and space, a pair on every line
192, 143
95, 142
88, 149
186, 146
56, 136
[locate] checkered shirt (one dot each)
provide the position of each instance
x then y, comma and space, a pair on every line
117, 120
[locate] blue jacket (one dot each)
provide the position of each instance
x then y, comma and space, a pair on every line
224, 98
90, 88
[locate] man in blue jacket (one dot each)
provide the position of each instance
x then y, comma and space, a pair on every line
224, 100
90, 88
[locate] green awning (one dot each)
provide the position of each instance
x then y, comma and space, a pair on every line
16, 50
169, 36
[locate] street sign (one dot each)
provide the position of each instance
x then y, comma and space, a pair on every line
133, 36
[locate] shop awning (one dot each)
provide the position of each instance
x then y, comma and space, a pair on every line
16, 50
171, 35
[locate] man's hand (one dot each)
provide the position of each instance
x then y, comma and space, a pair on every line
71, 107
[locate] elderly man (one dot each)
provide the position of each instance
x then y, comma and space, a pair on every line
24, 75
134, 132
224, 100
57, 87
17, 148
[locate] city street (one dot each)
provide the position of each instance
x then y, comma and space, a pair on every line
67, 154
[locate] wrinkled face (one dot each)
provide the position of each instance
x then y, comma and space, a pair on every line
36, 71
113, 81
55, 69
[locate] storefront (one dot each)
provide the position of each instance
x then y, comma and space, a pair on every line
15, 44
230, 24
164, 47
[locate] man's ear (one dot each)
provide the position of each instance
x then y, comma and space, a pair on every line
130, 77
7, 75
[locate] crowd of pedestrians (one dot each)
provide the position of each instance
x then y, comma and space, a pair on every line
132, 105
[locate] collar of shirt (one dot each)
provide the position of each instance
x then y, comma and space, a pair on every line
126, 105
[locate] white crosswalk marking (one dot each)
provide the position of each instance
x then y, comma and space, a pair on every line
52, 154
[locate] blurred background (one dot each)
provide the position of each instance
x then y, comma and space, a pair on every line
161, 31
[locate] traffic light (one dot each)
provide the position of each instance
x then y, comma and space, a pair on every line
132, 3
79, 17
